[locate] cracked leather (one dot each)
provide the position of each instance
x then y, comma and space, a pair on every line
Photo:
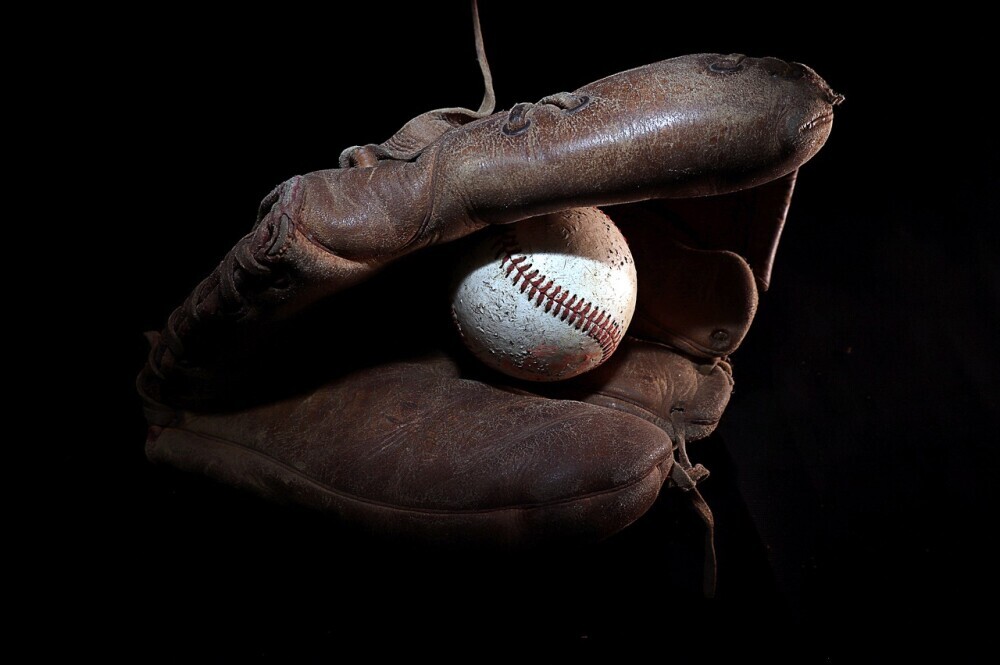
316, 363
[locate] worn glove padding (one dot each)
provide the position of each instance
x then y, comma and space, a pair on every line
316, 363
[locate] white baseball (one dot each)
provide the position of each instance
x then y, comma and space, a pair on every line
547, 298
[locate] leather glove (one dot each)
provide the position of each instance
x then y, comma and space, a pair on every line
317, 363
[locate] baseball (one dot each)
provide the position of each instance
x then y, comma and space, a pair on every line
547, 298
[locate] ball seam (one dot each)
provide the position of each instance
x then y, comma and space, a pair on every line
594, 322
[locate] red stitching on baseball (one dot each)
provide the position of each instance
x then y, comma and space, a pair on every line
593, 322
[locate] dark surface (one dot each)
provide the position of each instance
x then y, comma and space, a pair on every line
853, 472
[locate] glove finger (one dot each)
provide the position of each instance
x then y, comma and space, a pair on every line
412, 448
678, 128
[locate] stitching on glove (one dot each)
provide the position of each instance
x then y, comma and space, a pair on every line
567, 101
518, 118
559, 302
252, 266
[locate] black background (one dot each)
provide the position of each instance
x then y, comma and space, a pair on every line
852, 474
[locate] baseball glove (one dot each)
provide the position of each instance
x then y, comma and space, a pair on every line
317, 364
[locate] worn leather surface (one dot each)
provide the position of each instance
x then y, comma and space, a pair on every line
315, 364
405, 448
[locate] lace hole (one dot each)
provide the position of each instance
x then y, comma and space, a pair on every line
583, 101
515, 131
729, 64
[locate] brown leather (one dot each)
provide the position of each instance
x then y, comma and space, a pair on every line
315, 365
413, 448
